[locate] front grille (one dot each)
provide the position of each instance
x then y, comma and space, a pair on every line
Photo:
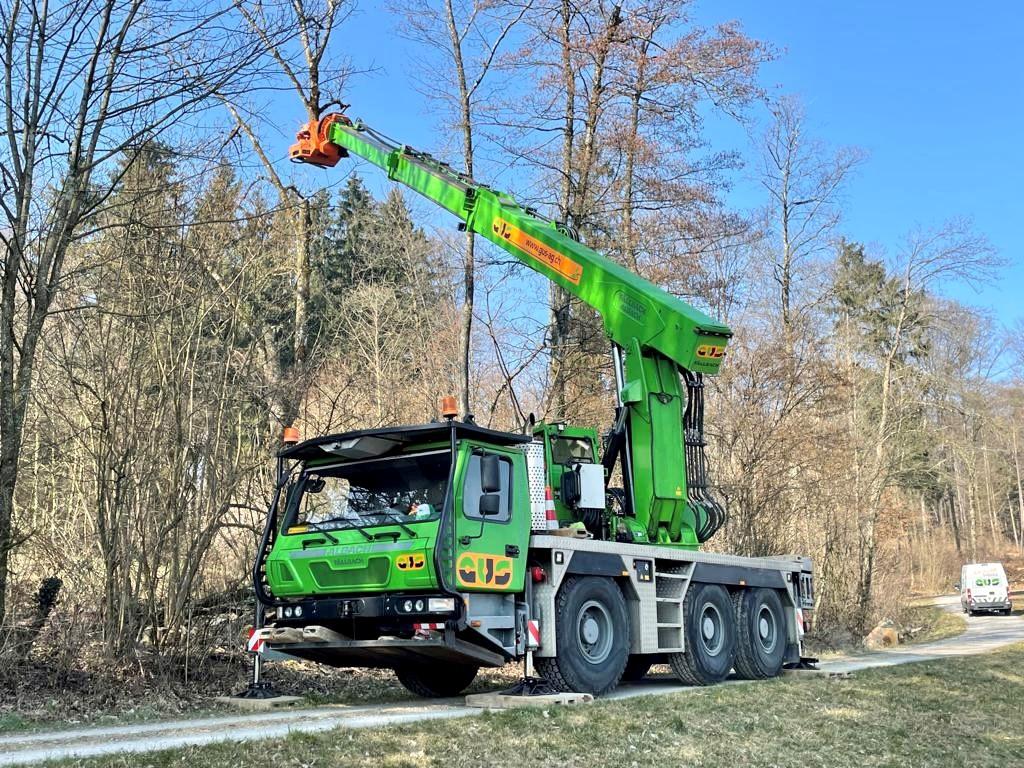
375, 574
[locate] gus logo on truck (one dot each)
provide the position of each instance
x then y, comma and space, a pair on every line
411, 562
479, 570
710, 352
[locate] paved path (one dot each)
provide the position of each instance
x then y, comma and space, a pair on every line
983, 634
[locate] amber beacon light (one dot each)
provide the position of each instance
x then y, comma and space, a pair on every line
449, 409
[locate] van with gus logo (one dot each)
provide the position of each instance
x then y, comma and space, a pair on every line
983, 587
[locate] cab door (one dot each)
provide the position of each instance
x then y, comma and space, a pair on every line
493, 520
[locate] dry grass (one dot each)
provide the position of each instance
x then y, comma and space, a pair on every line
956, 712
934, 624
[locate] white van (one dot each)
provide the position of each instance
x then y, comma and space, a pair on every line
983, 587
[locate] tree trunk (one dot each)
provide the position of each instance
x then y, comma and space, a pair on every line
1020, 490
558, 326
469, 260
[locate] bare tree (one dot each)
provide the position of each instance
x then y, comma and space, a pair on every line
804, 181
304, 64
84, 84
895, 323
463, 41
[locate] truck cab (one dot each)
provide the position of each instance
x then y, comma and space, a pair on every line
401, 544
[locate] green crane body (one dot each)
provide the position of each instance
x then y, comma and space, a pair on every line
656, 337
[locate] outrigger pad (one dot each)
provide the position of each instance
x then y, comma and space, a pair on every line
504, 700
530, 686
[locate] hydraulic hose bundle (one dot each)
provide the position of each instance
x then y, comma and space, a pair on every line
711, 516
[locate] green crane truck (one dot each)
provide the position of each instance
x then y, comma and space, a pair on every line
440, 548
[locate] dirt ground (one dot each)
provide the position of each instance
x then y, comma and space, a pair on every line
35, 692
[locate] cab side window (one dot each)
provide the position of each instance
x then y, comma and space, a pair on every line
471, 492
565, 450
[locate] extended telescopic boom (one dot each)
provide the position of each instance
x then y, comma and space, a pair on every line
655, 335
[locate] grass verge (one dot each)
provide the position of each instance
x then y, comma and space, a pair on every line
952, 712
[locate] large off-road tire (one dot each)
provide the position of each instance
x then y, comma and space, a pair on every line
709, 629
593, 637
761, 635
636, 668
436, 681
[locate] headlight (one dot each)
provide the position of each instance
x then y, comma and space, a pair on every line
287, 612
298, 611
441, 604
407, 606
420, 606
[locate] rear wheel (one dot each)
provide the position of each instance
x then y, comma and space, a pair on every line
436, 682
593, 637
760, 633
710, 635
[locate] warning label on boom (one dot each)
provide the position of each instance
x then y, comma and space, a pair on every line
537, 250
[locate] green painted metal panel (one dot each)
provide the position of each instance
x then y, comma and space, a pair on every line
354, 564
490, 553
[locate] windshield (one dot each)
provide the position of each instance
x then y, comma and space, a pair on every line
402, 489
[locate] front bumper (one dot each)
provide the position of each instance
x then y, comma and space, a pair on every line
392, 609
391, 652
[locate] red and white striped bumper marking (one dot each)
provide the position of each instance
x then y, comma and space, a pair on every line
256, 642
437, 626
533, 634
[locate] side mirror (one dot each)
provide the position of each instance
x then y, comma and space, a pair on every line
490, 474
315, 485
957, 586
490, 504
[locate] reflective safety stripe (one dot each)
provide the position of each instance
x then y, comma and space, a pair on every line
533, 633
256, 642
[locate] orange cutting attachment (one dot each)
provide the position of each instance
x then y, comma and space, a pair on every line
313, 144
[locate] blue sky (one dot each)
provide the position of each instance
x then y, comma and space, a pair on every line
933, 91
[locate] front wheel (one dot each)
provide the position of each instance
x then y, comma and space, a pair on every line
593, 637
436, 682
710, 636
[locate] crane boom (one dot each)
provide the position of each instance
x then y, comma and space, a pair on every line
659, 433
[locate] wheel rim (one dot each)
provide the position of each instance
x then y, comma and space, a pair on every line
767, 629
712, 631
594, 632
